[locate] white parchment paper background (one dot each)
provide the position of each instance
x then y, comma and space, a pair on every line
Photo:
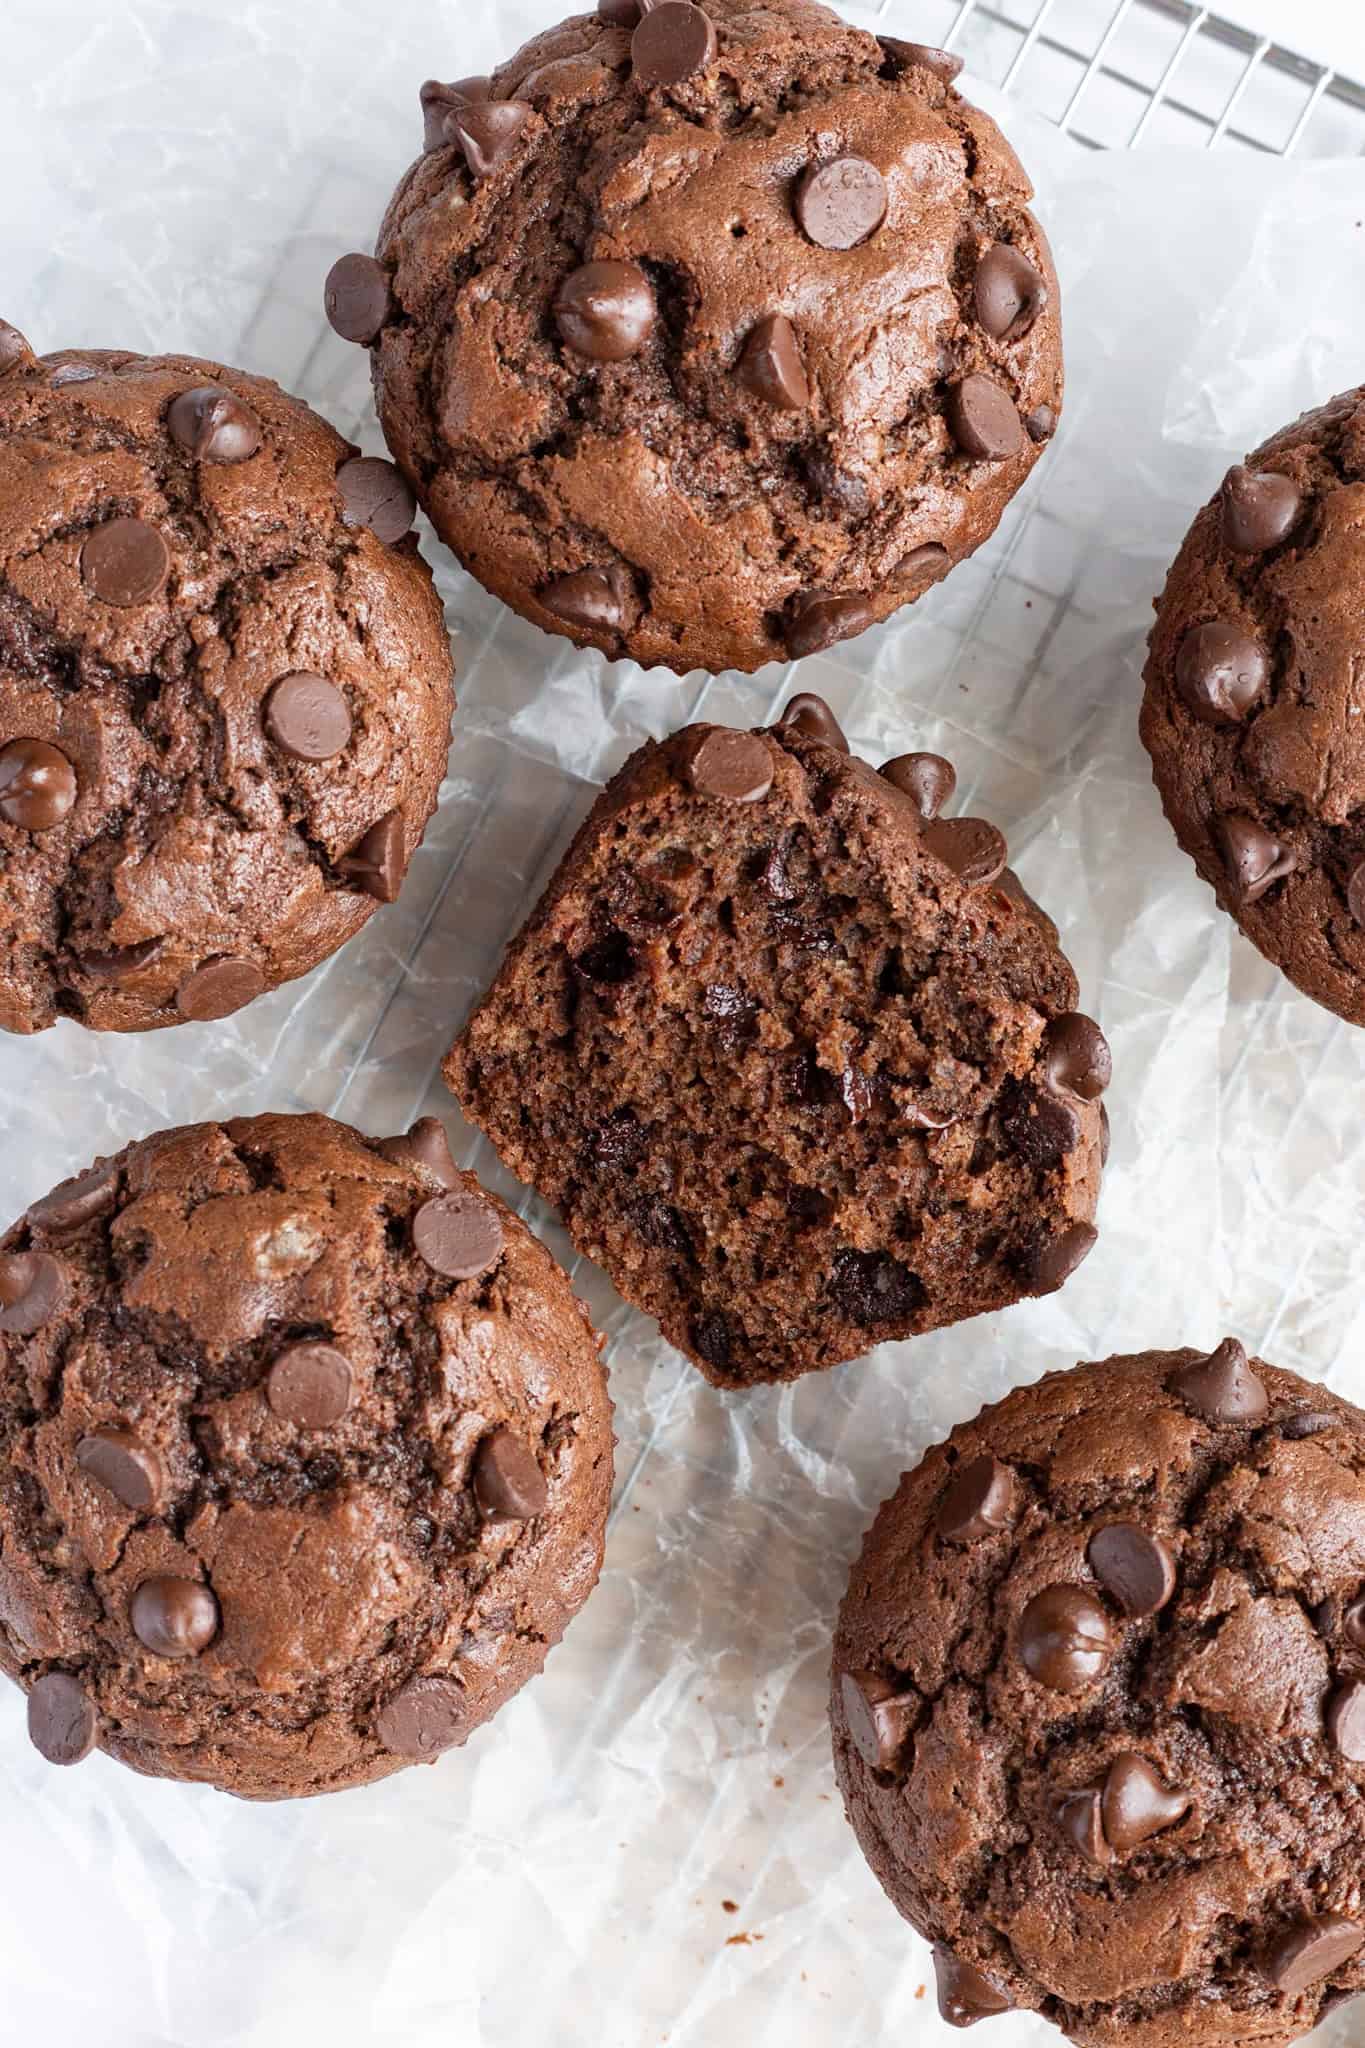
179, 174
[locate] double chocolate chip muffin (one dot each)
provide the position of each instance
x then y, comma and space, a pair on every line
225, 689
710, 335
794, 1056
1099, 1703
1252, 713
305, 1455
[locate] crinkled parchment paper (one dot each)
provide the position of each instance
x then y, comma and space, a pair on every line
180, 174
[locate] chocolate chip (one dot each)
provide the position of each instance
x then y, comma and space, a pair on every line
1106, 1135
488, 132
1078, 1058
1346, 1720
121, 963
736, 767
1311, 1422
438, 99
842, 203
606, 311
771, 365
1065, 1639
972, 848
509, 1485
1260, 509
62, 1722
427, 1148
1041, 423
984, 420
979, 1503
594, 600
816, 619
13, 347
808, 714
1137, 1804
964, 1994
307, 717
213, 425
38, 786
310, 1385
32, 1290
872, 1288
1220, 671
922, 57
125, 562
218, 989
1054, 1265
174, 1617
376, 494
76, 1202
917, 571
1254, 861
880, 1720
673, 42
1222, 1387
621, 13
1304, 1954
927, 779
1008, 293
1042, 1128
375, 863
1078, 1814
458, 1235
426, 1717
121, 1462
1353, 1625
1134, 1567
358, 298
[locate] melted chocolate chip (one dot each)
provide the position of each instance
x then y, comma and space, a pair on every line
62, 1722
1220, 671
871, 1288
842, 203
1137, 1804
174, 1617
980, 1502
1078, 1059
214, 426
75, 1202
38, 786
509, 1485
1346, 1720
426, 1717
32, 1290
806, 713
120, 1462
673, 42
121, 963
927, 779
880, 1720
1304, 1954
219, 989
606, 311
1008, 293
1260, 509
1054, 1265
438, 101
1254, 861
1136, 1568
594, 600
736, 767
488, 132
1041, 423
1065, 1640
376, 862
1222, 1387
1041, 1128
771, 365
125, 562
818, 619
375, 494
944, 64
971, 847
426, 1147
357, 298
1079, 1816
984, 420
964, 1994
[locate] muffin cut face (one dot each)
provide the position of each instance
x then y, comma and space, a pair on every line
711, 337
1252, 713
225, 689
306, 1456
796, 1063
1099, 1703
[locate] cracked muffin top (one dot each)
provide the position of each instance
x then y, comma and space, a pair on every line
306, 1454
1099, 1703
1252, 714
709, 337
225, 689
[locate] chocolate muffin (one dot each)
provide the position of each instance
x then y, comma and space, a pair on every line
306, 1456
1099, 1703
793, 1055
710, 336
1252, 713
225, 689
